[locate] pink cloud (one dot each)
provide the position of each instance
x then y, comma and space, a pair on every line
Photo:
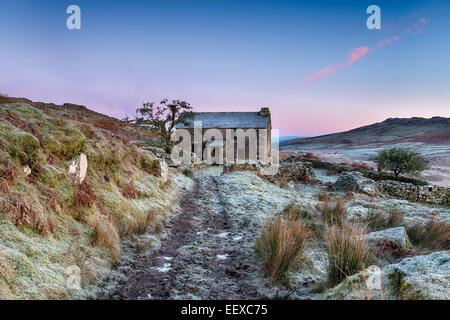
357, 54
353, 56
418, 26
320, 74
385, 42
423, 21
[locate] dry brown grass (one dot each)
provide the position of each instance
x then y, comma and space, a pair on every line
348, 252
22, 213
280, 244
395, 218
129, 191
323, 196
361, 165
376, 220
311, 155
84, 195
434, 235
333, 212
138, 224
9, 174
105, 235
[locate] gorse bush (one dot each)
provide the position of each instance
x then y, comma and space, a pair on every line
347, 251
434, 235
280, 245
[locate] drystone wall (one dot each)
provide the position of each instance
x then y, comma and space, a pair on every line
427, 194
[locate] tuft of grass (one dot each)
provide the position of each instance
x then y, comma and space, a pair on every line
150, 166
281, 244
323, 196
348, 252
375, 220
395, 218
434, 235
294, 212
105, 235
333, 212
283, 182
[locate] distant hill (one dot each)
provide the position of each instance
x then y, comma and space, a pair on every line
393, 130
284, 138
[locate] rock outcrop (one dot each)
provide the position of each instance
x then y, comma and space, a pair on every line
78, 168
397, 234
420, 277
355, 181
296, 170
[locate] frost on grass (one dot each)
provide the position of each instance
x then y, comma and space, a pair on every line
87, 228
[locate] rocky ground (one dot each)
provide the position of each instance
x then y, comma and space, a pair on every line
208, 252
436, 155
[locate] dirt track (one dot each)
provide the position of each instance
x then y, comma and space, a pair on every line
197, 259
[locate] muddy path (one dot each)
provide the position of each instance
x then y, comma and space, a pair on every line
197, 260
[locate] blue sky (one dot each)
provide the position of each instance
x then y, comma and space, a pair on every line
234, 56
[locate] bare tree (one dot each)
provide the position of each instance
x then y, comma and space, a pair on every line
163, 118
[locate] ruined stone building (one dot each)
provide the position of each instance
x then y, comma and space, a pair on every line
232, 135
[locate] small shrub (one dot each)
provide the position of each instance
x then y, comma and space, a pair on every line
280, 245
84, 195
434, 235
333, 213
347, 251
400, 161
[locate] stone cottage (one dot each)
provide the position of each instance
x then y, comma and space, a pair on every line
243, 136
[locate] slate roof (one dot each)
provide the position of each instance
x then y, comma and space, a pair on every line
224, 120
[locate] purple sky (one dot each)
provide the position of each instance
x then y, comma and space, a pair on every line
315, 64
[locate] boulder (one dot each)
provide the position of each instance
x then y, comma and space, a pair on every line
420, 277
296, 170
78, 168
397, 234
423, 277
355, 181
